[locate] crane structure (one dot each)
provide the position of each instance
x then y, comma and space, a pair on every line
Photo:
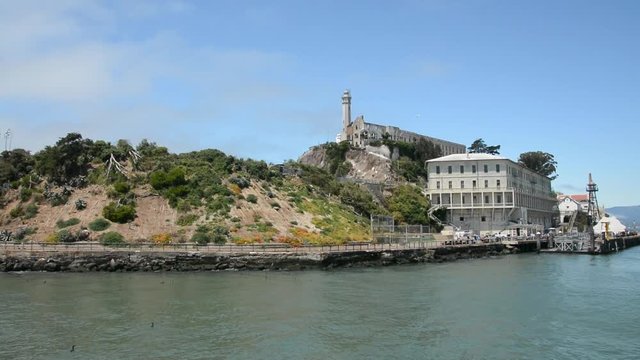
593, 212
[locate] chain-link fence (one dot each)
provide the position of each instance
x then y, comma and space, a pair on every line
384, 230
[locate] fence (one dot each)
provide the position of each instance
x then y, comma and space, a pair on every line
384, 230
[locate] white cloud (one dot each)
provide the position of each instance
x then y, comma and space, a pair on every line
74, 74
78, 79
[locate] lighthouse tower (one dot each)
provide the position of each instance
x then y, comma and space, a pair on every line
346, 114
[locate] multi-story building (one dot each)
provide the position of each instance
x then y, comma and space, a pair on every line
490, 194
360, 133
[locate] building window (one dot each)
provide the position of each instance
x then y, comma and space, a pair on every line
461, 218
473, 169
486, 199
449, 169
461, 169
498, 184
486, 168
464, 200
437, 169
438, 185
498, 199
484, 218
486, 184
498, 168
462, 184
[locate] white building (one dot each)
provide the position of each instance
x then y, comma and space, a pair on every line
488, 194
567, 206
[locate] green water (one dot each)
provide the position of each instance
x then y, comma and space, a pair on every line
514, 307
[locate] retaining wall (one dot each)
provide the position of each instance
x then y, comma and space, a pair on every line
125, 262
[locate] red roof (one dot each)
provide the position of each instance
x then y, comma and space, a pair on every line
580, 197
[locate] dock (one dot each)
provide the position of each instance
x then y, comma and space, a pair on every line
582, 244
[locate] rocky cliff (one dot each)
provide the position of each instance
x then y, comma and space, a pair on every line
371, 164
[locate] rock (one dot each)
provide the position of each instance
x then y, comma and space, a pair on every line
51, 266
39, 264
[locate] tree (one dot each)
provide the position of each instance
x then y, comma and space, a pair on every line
360, 199
408, 205
69, 158
480, 147
540, 162
426, 150
15, 164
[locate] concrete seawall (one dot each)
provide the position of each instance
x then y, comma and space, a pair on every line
162, 261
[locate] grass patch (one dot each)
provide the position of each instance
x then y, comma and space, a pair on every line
337, 223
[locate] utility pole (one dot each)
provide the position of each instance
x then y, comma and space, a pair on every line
7, 140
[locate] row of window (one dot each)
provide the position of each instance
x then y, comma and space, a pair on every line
462, 167
473, 184
487, 200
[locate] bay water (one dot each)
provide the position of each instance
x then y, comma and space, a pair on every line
512, 307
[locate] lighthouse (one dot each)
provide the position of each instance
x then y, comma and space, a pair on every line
346, 114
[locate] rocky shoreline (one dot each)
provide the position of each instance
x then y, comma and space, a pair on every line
150, 262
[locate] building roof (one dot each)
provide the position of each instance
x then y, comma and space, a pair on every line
561, 198
467, 157
580, 197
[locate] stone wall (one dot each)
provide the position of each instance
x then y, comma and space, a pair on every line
127, 262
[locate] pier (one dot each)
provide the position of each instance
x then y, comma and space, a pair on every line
582, 244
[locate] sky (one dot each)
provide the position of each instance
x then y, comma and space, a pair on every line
264, 79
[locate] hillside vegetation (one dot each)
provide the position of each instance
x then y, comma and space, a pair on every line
80, 189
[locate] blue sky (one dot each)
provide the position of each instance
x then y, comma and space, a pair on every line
263, 79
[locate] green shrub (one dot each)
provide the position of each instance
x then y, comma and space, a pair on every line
66, 236
66, 223
240, 181
111, 238
220, 234
17, 211
31, 211
220, 204
160, 179
187, 219
119, 213
121, 187
201, 238
99, 224
252, 198
25, 194
217, 234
